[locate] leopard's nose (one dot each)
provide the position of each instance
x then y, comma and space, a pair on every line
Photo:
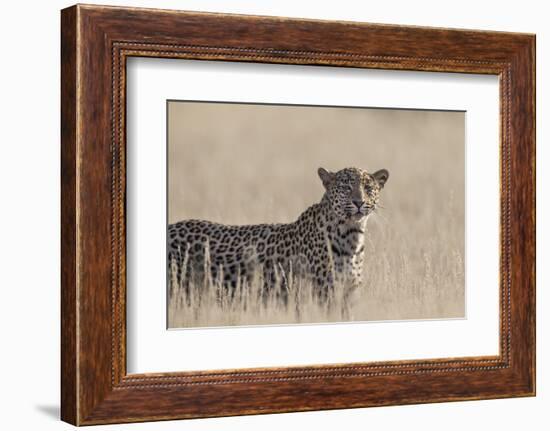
358, 203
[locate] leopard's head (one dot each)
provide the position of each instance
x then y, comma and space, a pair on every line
353, 193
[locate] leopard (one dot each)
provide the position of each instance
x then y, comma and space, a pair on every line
325, 244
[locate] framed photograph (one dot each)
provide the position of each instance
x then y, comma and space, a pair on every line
264, 215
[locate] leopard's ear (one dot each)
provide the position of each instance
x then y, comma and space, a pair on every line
381, 177
326, 177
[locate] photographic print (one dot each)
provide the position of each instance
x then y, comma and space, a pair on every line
291, 214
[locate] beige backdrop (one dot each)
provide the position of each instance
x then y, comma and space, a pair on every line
244, 164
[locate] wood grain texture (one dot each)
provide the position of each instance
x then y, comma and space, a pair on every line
69, 397
96, 41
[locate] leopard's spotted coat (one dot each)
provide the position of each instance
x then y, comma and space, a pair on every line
325, 244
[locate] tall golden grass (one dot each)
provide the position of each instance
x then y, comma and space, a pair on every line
248, 164
208, 302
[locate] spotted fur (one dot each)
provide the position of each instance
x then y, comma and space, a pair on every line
325, 244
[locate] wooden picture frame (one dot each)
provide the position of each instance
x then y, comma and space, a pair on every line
95, 43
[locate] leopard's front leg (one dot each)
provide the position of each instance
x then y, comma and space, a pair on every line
352, 286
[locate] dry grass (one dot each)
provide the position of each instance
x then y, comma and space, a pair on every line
258, 164
209, 303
